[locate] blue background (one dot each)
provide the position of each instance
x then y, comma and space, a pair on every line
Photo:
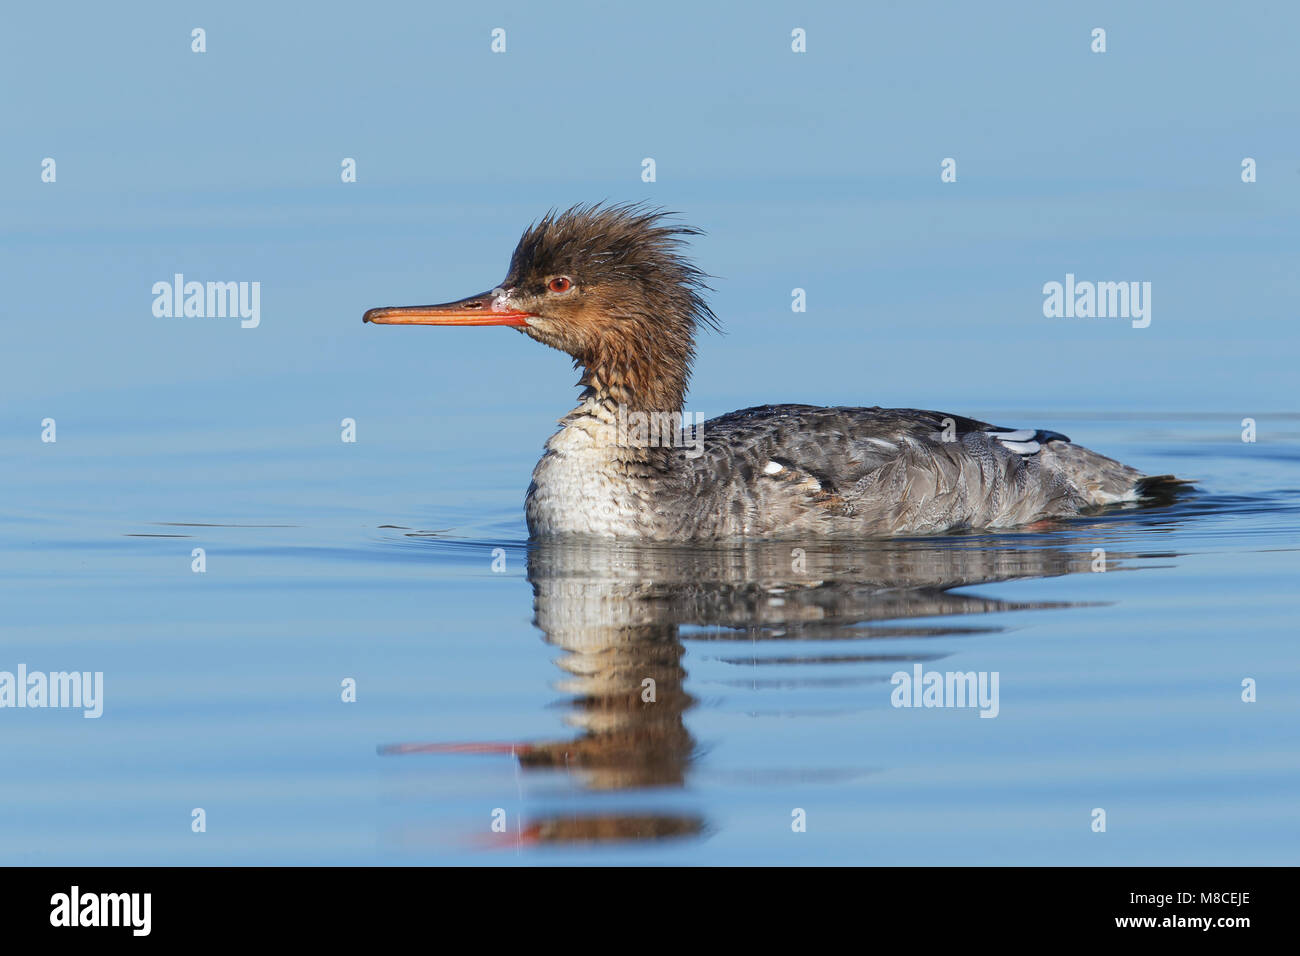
818, 171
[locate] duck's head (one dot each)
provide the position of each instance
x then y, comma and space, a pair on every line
609, 285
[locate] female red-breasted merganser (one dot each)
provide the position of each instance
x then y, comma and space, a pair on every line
609, 285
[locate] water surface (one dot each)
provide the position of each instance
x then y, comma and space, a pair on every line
494, 676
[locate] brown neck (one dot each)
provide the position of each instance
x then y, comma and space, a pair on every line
642, 412
638, 382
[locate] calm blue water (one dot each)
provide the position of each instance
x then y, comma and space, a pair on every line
1118, 690
510, 679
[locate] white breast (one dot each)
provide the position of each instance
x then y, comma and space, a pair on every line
576, 487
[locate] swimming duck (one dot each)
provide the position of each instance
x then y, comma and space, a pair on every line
610, 285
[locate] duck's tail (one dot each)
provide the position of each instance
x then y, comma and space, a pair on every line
1104, 481
1162, 489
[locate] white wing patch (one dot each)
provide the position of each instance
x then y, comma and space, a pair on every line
1021, 447
1025, 441
808, 483
1022, 434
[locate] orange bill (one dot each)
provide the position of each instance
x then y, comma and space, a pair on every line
483, 309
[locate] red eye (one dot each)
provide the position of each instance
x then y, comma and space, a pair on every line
559, 284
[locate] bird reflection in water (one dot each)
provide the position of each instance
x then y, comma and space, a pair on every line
617, 614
